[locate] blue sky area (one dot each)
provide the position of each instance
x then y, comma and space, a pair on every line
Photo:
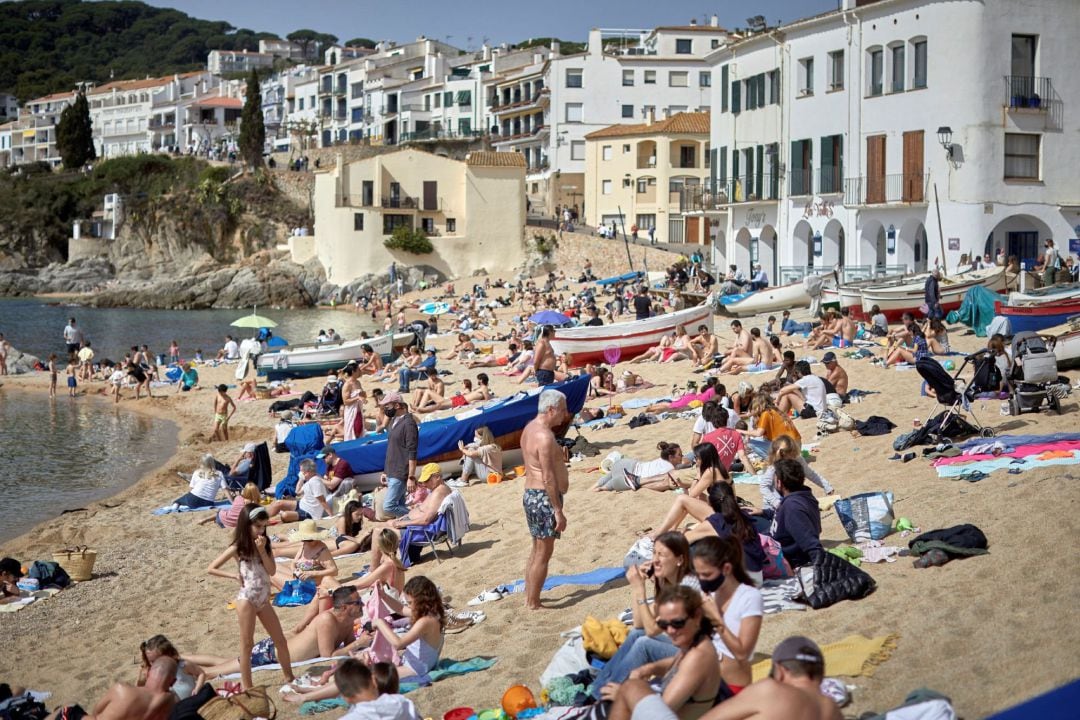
456, 21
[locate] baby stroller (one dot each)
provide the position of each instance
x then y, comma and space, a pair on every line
949, 423
1033, 374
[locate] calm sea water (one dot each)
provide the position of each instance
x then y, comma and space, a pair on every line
62, 454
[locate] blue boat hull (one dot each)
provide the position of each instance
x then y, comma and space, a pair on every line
439, 438
1035, 323
625, 277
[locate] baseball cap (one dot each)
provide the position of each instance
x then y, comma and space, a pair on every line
326, 451
828, 357
391, 397
427, 471
798, 648
331, 378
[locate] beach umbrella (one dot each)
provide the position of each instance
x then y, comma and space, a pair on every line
612, 353
253, 321
550, 317
434, 308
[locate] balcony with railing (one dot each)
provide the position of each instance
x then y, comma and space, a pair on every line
801, 182
434, 134
1026, 92
830, 180
703, 199
400, 202
886, 189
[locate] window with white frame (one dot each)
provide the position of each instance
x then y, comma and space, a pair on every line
875, 60
1021, 156
650, 77
684, 46
806, 76
836, 70
704, 79
678, 78
574, 113
605, 187
628, 78
918, 69
574, 77
577, 150
605, 152
897, 71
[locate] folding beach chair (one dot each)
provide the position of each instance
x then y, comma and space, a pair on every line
449, 526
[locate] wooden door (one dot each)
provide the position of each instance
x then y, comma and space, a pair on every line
914, 179
693, 229
875, 169
431, 195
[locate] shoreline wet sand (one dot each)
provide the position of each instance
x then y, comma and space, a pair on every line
986, 631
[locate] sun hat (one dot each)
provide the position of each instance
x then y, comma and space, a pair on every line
331, 378
427, 471
799, 648
391, 397
250, 447
308, 530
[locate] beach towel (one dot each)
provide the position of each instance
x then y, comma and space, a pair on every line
960, 469
30, 599
636, 403
779, 595
599, 576
445, 669
169, 509
277, 666
853, 656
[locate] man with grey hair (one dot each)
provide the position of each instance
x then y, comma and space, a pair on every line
546, 481
311, 493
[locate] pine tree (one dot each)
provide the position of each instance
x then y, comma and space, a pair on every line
252, 130
75, 134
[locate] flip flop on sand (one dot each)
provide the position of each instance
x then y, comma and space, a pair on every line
632, 480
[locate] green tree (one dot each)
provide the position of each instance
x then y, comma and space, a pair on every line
75, 134
252, 130
310, 41
361, 42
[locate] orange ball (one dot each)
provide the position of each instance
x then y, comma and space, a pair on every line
516, 699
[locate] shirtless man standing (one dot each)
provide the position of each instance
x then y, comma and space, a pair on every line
153, 701
546, 481
743, 345
324, 637
544, 357
791, 692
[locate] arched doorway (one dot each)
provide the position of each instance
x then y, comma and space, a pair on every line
832, 245
802, 245
872, 246
741, 257
1022, 236
719, 253
766, 254
911, 246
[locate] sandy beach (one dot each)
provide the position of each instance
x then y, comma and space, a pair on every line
987, 631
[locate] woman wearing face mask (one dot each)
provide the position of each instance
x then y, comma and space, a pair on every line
481, 457
732, 604
670, 567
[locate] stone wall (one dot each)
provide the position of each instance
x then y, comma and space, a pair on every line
608, 256
86, 248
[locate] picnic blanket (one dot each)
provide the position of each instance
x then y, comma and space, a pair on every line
28, 600
853, 656
599, 576
445, 668
1021, 452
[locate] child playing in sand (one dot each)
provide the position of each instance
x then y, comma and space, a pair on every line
224, 408
71, 382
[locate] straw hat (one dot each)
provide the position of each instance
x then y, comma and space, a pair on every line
308, 530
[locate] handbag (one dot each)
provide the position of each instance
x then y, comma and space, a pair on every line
248, 705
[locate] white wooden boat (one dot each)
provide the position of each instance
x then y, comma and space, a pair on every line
849, 295
587, 343
895, 300
770, 299
297, 361
1045, 294
1066, 342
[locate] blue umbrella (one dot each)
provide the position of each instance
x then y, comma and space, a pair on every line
550, 317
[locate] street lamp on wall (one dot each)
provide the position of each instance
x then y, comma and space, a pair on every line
944, 135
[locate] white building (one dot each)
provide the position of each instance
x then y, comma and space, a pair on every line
621, 78
33, 136
286, 49
844, 137
9, 108
279, 99
231, 62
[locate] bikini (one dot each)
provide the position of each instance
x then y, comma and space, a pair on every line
705, 703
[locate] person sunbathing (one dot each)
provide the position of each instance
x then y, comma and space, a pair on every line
313, 559
461, 349
492, 360
481, 394
710, 469
322, 638
743, 344
601, 383
707, 346
919, 349
823, 334
769, 423
937, 337
630, 474
683, 401
482, 457
681, 349
657, 352
410, 358
189, 676
523, 361
348, 539
154, 701
762, 357
372, 362
689, 680
433, 393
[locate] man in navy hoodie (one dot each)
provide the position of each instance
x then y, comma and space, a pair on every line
797, 522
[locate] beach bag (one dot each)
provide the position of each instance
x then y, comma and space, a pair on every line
846, 422
248, 705
48, 574
295, 593
827, 422
776, 567
867, 516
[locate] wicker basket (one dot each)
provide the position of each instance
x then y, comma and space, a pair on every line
77, 561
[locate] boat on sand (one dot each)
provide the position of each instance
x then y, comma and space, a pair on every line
586, 344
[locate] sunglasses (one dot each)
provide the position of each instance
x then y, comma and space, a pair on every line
676, 624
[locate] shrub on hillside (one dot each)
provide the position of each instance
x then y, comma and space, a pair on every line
409, 240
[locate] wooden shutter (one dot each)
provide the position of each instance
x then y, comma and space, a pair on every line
431, 195
724, 80
875, 169
796, 167
913, 166
722, 172
825, 183
759, 185
736, 97
736, 186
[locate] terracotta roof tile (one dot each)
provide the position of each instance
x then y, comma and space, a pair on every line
124, 85
684, 123
487, 158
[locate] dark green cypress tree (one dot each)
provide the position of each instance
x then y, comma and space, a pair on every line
252, 130
75, 134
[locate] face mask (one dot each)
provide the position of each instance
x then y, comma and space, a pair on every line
478, 440
711, 586
390, 412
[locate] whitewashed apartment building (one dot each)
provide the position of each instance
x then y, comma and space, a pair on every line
841, 139
33, 135
621, 77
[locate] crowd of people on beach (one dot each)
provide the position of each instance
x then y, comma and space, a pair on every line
694, 590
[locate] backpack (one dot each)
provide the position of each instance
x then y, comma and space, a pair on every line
846, 421
49, 573
828, 422
776, 567
24, 707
